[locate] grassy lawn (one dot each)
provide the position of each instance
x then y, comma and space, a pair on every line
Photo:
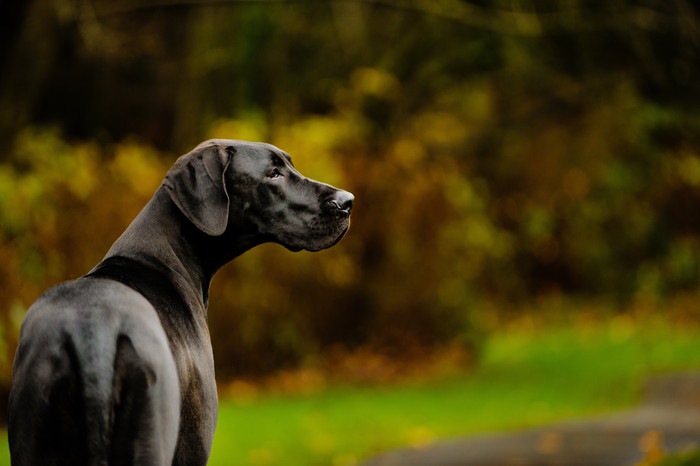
529, 375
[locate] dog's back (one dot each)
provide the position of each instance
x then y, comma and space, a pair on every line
90, 379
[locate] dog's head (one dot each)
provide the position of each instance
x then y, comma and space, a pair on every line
225, 184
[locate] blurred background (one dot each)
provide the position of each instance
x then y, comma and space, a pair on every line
511, 159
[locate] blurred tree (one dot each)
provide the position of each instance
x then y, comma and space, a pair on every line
498, 150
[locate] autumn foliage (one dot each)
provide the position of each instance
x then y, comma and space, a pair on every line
497, 153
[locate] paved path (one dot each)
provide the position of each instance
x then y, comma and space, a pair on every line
668, 419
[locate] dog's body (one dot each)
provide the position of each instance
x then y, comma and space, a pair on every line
116, 367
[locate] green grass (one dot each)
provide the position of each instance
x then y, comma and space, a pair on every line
528, 376
687, 458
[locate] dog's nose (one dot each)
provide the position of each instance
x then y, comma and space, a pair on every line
342, 200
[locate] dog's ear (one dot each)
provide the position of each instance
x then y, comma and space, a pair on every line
197, 186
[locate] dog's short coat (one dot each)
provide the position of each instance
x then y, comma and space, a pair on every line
116, 368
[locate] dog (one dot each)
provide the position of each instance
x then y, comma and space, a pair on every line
116, 367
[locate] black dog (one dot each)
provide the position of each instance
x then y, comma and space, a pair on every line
116, 367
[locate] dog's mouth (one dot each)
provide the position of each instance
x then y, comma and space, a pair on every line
318, 238
339, 237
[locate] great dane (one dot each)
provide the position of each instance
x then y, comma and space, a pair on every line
116, 367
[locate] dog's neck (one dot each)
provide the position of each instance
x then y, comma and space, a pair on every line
161, 231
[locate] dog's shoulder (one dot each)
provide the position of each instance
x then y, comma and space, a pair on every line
72, 305
88, 293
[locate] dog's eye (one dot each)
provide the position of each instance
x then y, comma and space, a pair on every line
274, 173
